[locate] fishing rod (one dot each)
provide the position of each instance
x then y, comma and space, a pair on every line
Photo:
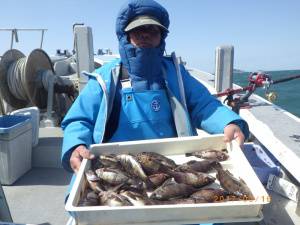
256, 80
286, 79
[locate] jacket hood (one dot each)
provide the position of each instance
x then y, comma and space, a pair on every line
134, 8
144, 65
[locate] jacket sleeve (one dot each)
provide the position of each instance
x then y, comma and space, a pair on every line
78, 125
207, 112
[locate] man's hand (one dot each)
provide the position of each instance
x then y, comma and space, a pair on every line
79, 153
233, 132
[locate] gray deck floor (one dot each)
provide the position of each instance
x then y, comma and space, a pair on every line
38, 197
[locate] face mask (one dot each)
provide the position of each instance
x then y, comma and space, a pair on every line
144, 65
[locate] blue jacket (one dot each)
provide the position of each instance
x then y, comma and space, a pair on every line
86, 119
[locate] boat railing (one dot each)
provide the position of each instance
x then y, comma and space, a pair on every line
15, 37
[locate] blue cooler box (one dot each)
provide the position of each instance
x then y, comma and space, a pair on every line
15, 147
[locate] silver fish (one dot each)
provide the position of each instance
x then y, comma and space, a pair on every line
109, 161
114, 176
93, 181
132, 166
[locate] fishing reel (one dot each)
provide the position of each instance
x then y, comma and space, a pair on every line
259, 79
264, 80
256, 79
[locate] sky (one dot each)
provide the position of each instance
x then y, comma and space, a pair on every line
265, 33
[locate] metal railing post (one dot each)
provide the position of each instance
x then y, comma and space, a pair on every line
224, 68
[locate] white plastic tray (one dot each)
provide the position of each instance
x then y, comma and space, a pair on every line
175, 148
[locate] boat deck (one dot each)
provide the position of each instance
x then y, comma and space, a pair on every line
38, 197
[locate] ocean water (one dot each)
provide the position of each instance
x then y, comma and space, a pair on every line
288, 93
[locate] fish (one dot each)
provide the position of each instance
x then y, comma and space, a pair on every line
154, 163
209, 195
114, 188
171, 189
139, 187
137, 199
132, 166
90, 198
163, 159
114, 176
210, 154
93, 181
109, 160
233, 185
196, 166
110, 198
158, 178
196, 179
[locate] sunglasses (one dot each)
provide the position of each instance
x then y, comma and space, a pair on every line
150, 29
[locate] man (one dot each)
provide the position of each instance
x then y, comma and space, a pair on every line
142, 101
